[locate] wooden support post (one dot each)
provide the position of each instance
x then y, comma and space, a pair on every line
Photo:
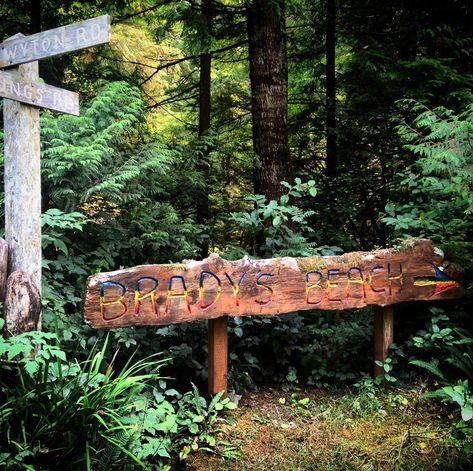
23, 184
22, 304
23, 94
383, 334
218, 355
3, 269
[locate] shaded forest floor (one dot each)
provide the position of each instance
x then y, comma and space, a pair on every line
326, 430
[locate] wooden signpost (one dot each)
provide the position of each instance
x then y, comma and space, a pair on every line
23, 94
216, 288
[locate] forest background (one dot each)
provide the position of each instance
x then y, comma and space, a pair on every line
191, 120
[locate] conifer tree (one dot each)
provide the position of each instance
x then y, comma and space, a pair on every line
269, 82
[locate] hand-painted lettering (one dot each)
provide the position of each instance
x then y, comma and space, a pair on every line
59, 42
34, 43
330, 274
236, 289
151, 294
45, 44
15, 88
217, 287
80, 35
24, 48
10, 52
260, 283
119, 300
375, 269
314, 285
357, 278
395, 277
172, 295
95, 32
204, 274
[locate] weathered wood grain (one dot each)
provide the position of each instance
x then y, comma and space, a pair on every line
55, 42
3, 269
22, 304
167, 294
22, 179
218, 355
383, 335
38, 94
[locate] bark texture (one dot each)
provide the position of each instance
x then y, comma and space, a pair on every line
330, 88
22, 304
23, 182
383, 335
204, 121
268, 77
218, 355
3, 269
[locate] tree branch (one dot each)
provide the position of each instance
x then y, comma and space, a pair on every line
196, 56
146, 10
175, 98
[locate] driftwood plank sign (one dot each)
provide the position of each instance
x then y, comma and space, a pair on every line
167, 294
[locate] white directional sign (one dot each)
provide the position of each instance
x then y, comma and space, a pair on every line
56, 41
38, 94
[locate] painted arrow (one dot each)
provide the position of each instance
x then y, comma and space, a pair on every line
440, 281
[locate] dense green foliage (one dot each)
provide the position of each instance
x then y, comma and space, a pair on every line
87, 415
120, 185
439, 182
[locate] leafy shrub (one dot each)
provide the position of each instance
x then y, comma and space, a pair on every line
283, 223
445, 350
299, 348
438, 193
65, 414
60, 413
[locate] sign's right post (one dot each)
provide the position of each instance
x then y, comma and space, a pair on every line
383, 335
218, 355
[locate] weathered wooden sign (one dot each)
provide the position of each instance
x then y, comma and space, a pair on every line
24, 94
167, 294
38, 94
55, 42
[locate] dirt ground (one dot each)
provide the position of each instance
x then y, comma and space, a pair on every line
329, 430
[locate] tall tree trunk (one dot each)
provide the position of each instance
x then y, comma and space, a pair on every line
204, 121
268, 76
330, 89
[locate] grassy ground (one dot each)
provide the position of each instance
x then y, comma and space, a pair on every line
327, 430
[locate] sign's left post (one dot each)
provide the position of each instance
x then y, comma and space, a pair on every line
22, 180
